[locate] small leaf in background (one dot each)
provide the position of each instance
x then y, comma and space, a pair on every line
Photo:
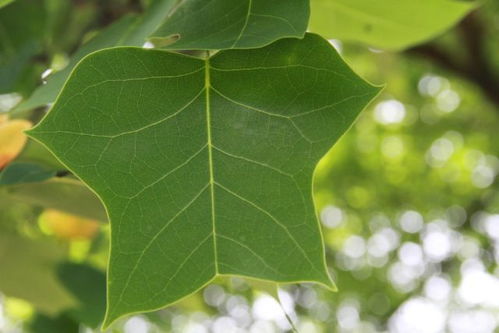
12, 139
227, 24
88, 286
205, 165
130, 30
16, 173
28, 272
63, 194
35, 153
387, 24
54, 324
22, 26
67, 226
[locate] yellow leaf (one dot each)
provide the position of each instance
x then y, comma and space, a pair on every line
67, 226
12, 139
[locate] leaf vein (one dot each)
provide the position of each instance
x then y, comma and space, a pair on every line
273, 218
252, 252
178, 167
153, 239
253, 161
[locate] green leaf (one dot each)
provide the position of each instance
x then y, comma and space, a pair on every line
205, 166
61, 323
63, 194
254, 23
387, 24
20, 41
226, 24
16, 173
88, 286
28, 272
131, 30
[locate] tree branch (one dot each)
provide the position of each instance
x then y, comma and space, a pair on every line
476, 67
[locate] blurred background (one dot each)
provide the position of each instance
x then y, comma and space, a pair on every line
408, 199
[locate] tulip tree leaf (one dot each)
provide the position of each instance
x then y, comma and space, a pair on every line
226, 24
205, 165
387, 24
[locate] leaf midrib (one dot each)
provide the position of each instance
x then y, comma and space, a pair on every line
207, 85
212, 182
